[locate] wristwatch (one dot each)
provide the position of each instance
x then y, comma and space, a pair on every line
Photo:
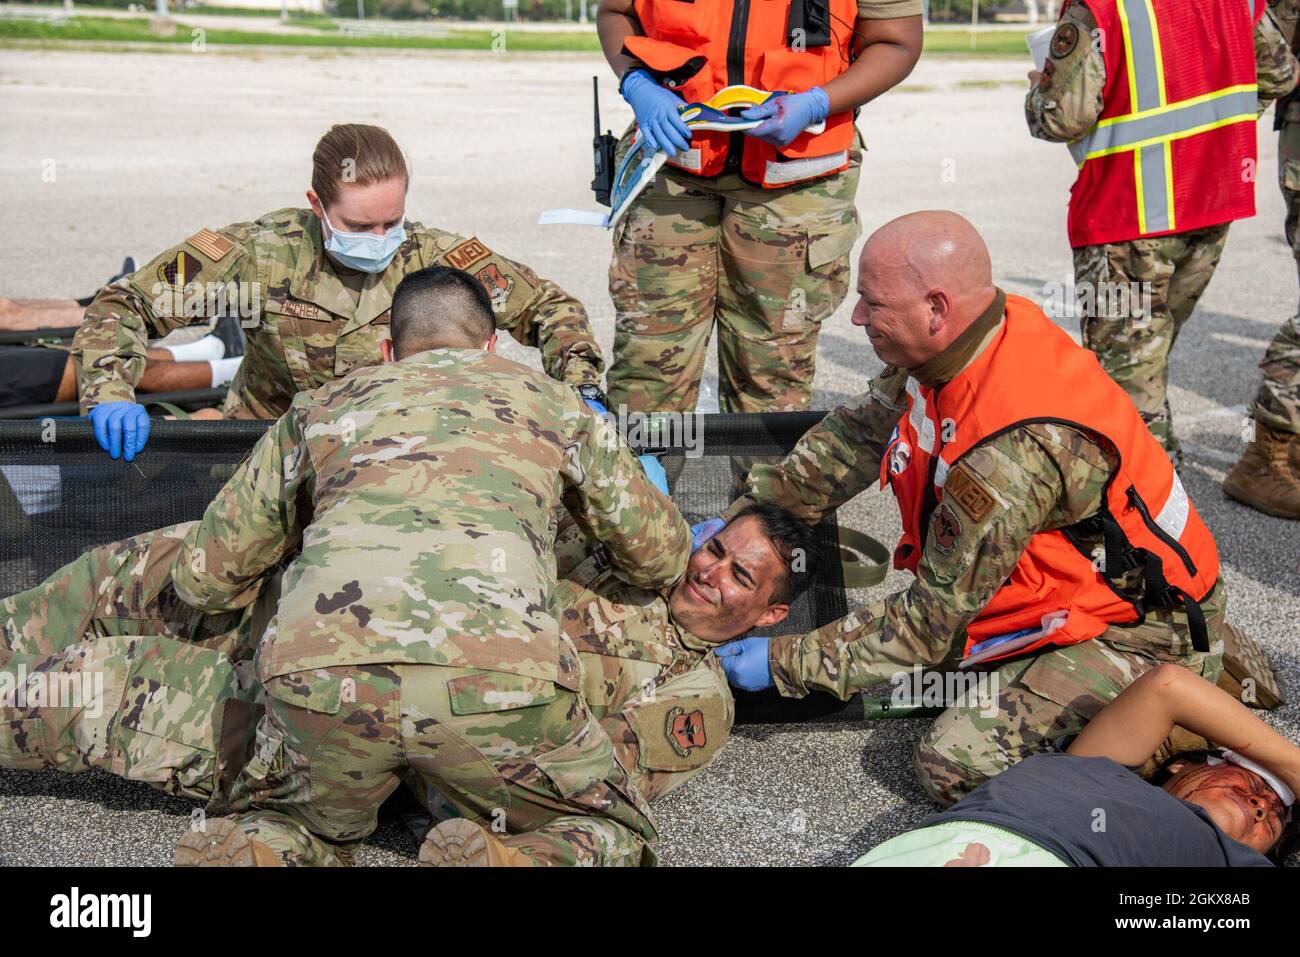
591, 392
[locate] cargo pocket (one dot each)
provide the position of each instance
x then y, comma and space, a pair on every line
22, 742
1081, 678
825, 282
166, 738
318, 691
583, 762
491, 691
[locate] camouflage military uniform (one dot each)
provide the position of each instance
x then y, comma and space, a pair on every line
168, 694
1046, 476
656, 689
1278, 402
766, 265
417, 629
1132, 341
657, 692
305, 321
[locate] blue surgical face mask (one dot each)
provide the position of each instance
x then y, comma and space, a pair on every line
365, 252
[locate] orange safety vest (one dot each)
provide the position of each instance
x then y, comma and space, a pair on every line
697, 47
1032, 372
1174, 147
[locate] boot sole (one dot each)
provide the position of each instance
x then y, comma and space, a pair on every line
221, 844
1239, 494
455, 843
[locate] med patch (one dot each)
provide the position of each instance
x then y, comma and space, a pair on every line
466, 254
968, 493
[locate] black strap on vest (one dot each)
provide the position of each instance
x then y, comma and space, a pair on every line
1157, 593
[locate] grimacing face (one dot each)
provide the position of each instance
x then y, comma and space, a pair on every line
1240, 802
729, 583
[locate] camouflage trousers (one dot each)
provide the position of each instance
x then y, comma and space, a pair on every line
1038, 701
1142, 292
766, 265
1277, 404
521, 756
173, 715
122, 589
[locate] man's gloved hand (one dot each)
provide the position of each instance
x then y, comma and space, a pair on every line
654, 471
656, 110
596, 407
703, 531
745, 663
121, 428
784, 117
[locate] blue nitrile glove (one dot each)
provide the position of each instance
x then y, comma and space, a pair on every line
596, 407
703, 531
656, 110
654, 471
784, 117
121, 428
745, 663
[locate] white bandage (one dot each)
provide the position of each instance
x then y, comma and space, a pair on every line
1273, 781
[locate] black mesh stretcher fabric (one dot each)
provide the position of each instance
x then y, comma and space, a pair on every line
60, 495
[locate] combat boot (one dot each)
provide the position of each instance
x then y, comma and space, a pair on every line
459, 842
1266, 477
223, 843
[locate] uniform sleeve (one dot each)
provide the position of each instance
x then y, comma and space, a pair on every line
255, 521
1021, 483
535, 311
1068, 98
889, 9
667, 734
837, 458
184, 286
1276, 64
609, 494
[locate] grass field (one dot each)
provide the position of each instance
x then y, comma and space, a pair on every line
112, 30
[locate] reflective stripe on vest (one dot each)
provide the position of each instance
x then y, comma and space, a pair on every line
1154, 123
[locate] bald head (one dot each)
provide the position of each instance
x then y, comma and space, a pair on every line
923, 278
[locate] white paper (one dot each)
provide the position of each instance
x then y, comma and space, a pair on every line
573, 217
1040, 41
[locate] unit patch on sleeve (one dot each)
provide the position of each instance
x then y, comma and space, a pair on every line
180, 270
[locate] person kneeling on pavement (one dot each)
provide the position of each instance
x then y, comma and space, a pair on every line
648, 675
1051, 540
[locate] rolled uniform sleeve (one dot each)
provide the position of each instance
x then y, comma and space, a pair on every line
607, 491
170, 292
1276, 65
255, 521
1032, 479
1067, 101
836, 459
535, 311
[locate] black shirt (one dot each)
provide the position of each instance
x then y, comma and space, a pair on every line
1093, 812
